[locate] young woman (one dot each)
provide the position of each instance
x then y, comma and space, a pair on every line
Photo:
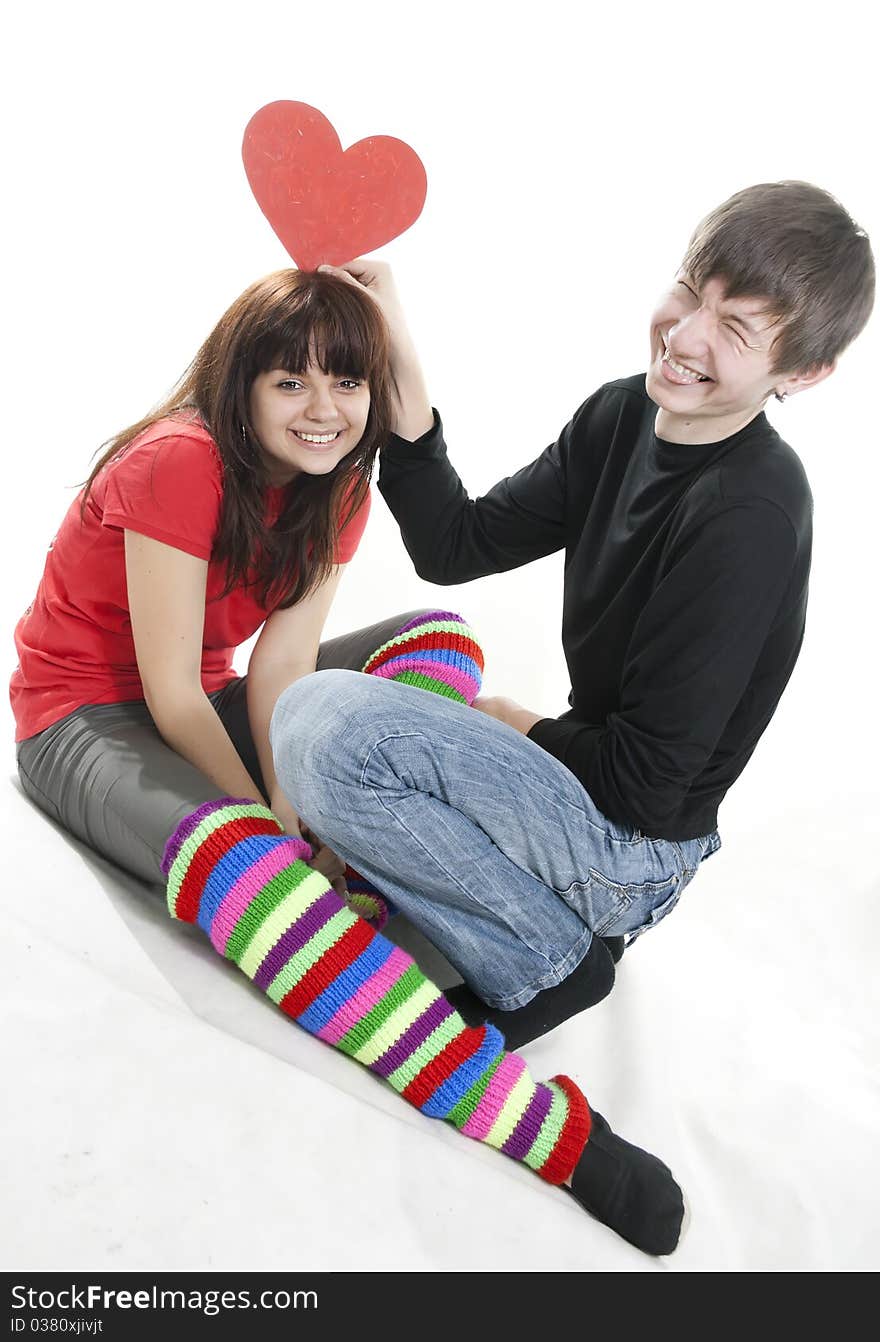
235, 505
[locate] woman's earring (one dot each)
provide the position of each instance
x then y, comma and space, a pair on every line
243, 434
780, 396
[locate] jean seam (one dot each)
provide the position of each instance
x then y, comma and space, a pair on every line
686, 872
633, 889
391, 736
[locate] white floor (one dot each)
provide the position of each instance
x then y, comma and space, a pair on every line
162, 1115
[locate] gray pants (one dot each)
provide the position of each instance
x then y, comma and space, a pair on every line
108, 777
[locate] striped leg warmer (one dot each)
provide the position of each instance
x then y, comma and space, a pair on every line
436, 651
231, 869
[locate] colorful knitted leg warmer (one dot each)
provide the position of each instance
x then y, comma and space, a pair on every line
437, 651
231, 868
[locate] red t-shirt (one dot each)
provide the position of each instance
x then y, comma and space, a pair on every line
74, 643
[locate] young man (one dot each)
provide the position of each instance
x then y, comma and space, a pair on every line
518, 842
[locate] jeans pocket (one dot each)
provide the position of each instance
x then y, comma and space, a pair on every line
658, 913
597, 901
612, 906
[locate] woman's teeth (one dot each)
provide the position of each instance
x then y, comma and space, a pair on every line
686, 374
320, 438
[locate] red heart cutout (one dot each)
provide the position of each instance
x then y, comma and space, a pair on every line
326, 205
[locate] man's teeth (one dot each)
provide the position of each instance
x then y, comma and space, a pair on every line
317, 437
684, 372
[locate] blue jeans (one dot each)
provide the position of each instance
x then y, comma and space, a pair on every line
484, 841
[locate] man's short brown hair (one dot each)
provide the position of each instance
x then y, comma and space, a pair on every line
795, 246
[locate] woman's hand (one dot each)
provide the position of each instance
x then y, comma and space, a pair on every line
507, 710
327, 863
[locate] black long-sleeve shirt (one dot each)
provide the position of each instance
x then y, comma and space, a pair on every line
686, 572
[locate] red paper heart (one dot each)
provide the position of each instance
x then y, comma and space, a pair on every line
326, 205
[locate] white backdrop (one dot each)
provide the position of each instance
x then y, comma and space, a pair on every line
569, 154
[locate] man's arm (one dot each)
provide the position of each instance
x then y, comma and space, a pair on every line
452, 538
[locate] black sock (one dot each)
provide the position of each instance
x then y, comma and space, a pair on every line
585, 986
615, 947
629, 1190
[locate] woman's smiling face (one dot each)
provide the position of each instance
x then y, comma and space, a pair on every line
307, 421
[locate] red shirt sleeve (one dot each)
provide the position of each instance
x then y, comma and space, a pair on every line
351, 533
169, 488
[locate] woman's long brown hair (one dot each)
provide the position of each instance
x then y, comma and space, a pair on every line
286, 320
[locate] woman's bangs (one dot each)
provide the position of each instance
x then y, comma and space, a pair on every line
340, 347
340, 342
